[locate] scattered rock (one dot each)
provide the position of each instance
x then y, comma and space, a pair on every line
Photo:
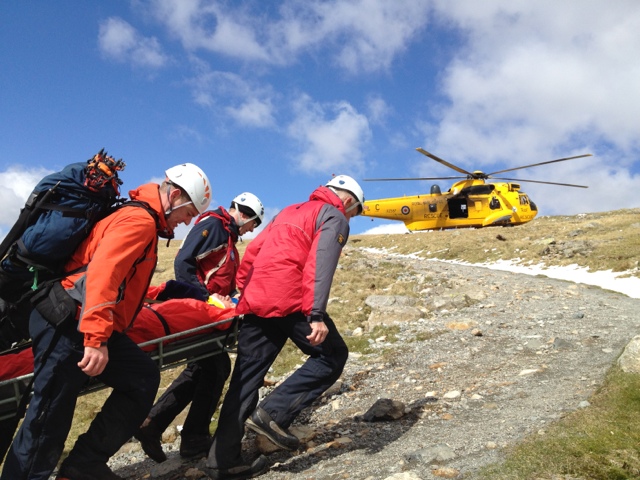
629, 361
383, 410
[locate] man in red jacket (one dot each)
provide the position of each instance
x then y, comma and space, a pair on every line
111, 269
285, 278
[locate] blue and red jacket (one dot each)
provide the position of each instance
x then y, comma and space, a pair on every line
208, 258
289, 266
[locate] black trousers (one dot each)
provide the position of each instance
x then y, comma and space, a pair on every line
201, 384
39, 443
260, 340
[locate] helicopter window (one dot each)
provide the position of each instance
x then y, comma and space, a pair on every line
478, 189
524, 200
494, 204
433, 207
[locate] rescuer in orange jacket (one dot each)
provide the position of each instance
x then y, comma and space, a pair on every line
114, 266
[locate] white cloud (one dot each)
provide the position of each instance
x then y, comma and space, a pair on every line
331, 136
368, 33
253, 112
534, 78
365, 35
208, 25
245, 102
187, 134
378, 109
119, 41
608, 189
18, 183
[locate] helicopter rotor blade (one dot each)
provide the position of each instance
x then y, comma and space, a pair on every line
538, 181
542, 163
443, 162
411, 178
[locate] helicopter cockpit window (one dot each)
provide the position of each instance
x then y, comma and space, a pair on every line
524, 200
494, 204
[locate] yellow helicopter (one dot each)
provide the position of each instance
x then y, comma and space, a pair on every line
469, 203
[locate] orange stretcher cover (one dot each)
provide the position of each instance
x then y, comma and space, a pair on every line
179, 314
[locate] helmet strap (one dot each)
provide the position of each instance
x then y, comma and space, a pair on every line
171, 207
355, 204
247, 221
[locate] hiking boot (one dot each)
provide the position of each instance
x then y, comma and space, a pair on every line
259, 465
88, 471
195, 445
262, 423
150, 438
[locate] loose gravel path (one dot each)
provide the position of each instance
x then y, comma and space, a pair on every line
497, 356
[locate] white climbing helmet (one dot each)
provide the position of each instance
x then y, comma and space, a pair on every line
250, 201
345, 182
194, 182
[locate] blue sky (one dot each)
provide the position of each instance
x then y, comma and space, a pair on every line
275, 97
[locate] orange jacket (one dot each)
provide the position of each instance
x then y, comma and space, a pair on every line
120, 253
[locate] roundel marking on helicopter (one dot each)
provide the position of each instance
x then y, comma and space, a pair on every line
405, 210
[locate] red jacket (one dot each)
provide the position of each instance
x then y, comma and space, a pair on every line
121, 255
289, 266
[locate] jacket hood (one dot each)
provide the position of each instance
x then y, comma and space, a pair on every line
326, 195
150, 194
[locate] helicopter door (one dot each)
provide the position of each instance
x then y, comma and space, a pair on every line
458, 207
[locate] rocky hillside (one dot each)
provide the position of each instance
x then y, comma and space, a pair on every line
459, 361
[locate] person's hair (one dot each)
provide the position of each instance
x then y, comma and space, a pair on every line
167, 184
246, 210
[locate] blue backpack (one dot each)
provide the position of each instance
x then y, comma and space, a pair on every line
60, 212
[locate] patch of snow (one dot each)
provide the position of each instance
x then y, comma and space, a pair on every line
607, 279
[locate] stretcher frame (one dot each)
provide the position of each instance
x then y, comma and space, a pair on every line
188, 346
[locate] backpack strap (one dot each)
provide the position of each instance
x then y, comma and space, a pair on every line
138, 203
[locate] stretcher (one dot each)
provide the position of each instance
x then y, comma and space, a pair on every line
168, 352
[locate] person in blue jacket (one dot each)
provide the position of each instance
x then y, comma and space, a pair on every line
208, 261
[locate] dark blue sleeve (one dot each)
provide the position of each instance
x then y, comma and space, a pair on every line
203, 237
176, 289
